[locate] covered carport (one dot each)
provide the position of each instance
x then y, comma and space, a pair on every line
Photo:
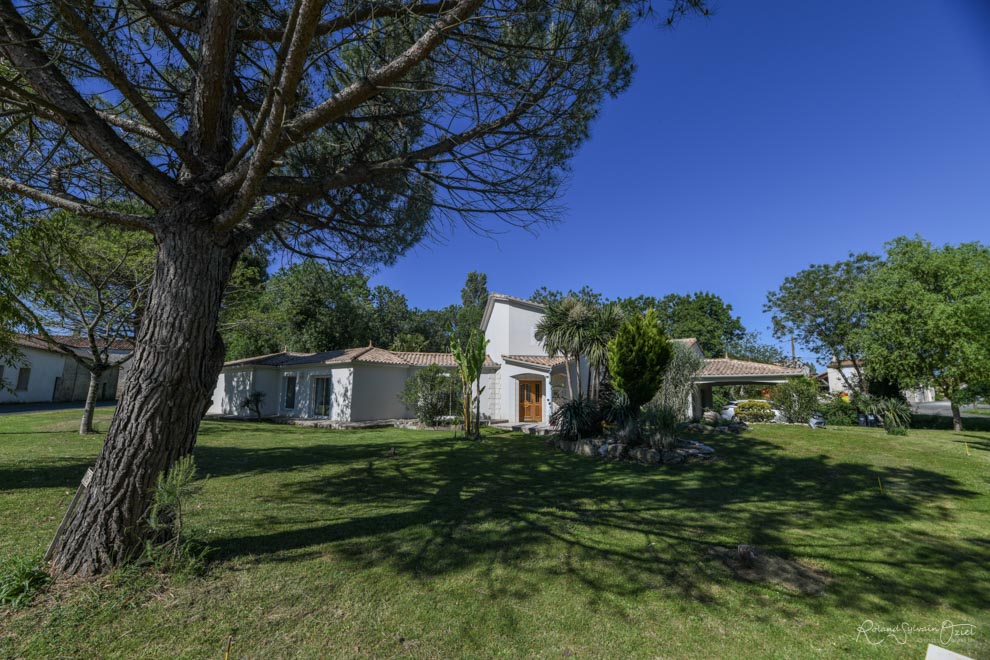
729, 372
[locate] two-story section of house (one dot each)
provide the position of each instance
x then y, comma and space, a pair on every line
528, 381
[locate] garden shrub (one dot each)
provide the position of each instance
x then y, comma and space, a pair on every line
658, 424
637, 357
839, 412
617, 409
797, 399
895, 414
253, 403
721, 395
432, 394
754, 411
577, 418
21, 577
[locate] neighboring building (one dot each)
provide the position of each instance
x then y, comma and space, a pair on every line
41, 373
838, 385
522, 384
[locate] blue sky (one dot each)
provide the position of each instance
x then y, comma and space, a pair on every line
751, 144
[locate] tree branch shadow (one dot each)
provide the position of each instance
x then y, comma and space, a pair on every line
441, 506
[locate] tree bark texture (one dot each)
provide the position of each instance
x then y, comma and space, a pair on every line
956, 417
174, 370
86, 425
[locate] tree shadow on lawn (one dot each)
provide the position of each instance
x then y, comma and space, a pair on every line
979, 442
62, 474
442, 506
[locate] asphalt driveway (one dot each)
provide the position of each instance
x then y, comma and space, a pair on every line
943, 409
14, 408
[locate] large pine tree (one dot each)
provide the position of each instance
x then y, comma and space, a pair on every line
343, 128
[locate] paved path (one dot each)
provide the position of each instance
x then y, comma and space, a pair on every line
14, 408
944, 409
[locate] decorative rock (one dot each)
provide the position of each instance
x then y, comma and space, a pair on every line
618, 450
712, 416
699, 446
684, 450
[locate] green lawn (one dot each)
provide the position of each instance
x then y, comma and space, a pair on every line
328, 545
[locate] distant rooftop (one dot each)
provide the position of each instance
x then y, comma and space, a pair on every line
72, 341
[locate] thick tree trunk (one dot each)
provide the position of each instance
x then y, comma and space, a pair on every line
956, 417
173, 373
86, 425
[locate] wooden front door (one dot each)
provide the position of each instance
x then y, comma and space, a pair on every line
530, 401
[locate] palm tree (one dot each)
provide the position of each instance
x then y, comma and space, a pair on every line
570, 328
552, 331
605, 323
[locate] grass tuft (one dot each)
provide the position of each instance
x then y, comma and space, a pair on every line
21, 578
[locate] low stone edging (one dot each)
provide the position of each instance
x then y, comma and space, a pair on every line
686, 451
698, 428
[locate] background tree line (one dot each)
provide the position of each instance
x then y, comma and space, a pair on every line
919, 315
307, 307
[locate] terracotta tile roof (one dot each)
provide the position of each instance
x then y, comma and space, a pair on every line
367, 354
73, 341
442, 359
845, 363
379, 356
730, 367
538, 360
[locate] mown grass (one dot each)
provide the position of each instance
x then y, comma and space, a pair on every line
331, 544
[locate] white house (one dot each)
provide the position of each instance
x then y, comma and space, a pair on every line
351, 385
522, 384
40, 373
839, 385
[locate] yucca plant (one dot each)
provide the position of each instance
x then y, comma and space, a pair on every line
894, 413
576, 418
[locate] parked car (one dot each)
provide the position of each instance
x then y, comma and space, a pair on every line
729, 410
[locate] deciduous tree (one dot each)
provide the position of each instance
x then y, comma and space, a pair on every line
65, 275
818, 308
929, 317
